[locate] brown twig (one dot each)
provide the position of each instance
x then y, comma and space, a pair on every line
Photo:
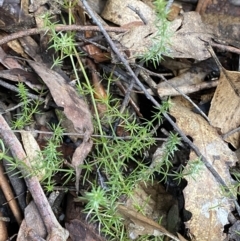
6, 188
202, 6
3, 228
54, 229
15, 89
226, 48
217, 177
34, 31
82, 135
225, 136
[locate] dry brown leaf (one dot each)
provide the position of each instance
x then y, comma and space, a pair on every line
136, 40
118, 12
139, 224
203, 196
9, 195
74, 108
80, 230
187, 79
225, 106
9, 63
32, 223
12, 19
34, 154
153, 199
31, 48
174, 11
20, 75
15, 45
225, 28
100, 93
24, 6
186, 40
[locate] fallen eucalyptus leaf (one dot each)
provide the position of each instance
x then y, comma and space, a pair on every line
34, 154
225, 106
203, 194
74, 108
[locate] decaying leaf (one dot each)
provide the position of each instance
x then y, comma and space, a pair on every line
33, 152
74, 108
12, 19
225, 28
118, 11
156, 204
190, 78
82, 230
185, 41
9, 63
32, 225
139, 224
225, 106
153, 200
203, 195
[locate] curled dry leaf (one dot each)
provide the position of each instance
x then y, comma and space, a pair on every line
225, 106
203, 195
74, 108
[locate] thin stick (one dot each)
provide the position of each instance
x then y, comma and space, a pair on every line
226, 48
225, 136
15, 89
34, 31
82, 135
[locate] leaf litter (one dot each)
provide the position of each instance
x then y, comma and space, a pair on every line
203, 195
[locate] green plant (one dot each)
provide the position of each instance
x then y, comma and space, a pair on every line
193, 170
161, 38
48, 162
111, 157
29, 108
53, 160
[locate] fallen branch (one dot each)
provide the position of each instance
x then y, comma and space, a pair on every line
54, 229
34, 31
